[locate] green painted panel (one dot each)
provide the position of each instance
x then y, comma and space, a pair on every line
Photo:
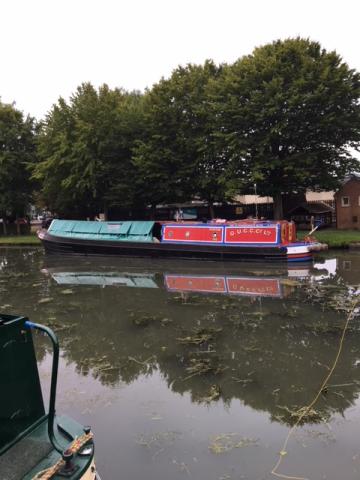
125, 227
141, 228
21, 403
86, 227
109, 228
62, 226
138, 238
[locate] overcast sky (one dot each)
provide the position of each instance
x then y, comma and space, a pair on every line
49, 47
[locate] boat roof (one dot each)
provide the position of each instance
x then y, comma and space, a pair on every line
219, 222
122, 230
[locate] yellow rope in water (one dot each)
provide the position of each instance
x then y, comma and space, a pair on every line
283, 451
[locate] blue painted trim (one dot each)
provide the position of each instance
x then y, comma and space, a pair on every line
223, 236
223, 244
226, 279
277, 240
302, 259
221, 277
197, 276
245, 294
200, 225
29, 324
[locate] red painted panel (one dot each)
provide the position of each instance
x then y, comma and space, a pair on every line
254, 286
195, 284
250, 234
189, 233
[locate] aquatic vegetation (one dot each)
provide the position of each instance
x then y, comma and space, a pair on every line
158, 440
302, 415
203, 366
290, 283
67, 291
213, 394
141, 319
199, 336
45, 300
225, 442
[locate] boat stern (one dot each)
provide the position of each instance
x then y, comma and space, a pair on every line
35, 444
77, 462
303, 251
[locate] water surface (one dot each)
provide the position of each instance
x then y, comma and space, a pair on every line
199, 369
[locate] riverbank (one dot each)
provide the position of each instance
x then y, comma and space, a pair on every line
26, 240
333, 238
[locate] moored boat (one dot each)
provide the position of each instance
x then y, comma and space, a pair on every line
36, 445
250, 240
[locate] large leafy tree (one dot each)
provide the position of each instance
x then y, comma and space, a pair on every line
286, 117
177, 160
85, 150
17, 153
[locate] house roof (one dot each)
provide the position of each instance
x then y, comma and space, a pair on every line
351, 176
309, 195
320, 196
252, 199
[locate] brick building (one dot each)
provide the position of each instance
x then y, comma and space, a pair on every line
347, 200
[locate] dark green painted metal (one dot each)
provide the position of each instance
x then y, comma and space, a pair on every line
27, 439
21, 402
54, 376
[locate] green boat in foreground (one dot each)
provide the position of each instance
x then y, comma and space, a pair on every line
35, 445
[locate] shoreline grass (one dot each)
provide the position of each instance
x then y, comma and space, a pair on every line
335, 238
14, 240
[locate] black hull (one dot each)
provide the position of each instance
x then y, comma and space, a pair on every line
79, 247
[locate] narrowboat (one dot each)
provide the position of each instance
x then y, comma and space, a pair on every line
251, 240
36, 445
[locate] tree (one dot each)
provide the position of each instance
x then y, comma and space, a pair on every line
17, 153
177, 160
85, 150
285, 119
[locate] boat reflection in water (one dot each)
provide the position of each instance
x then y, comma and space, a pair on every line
103, 279
229, 279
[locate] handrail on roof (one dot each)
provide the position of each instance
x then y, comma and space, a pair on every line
54, 375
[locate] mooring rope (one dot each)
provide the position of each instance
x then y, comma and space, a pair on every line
76, 445
283, 451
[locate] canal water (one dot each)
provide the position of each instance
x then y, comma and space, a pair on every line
198, 369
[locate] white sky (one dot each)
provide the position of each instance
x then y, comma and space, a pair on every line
49, 47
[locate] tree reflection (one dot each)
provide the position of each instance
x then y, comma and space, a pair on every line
271, 353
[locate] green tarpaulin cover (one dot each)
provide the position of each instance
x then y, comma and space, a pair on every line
127, 231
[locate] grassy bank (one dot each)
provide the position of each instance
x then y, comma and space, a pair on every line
19, 240
335, 238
